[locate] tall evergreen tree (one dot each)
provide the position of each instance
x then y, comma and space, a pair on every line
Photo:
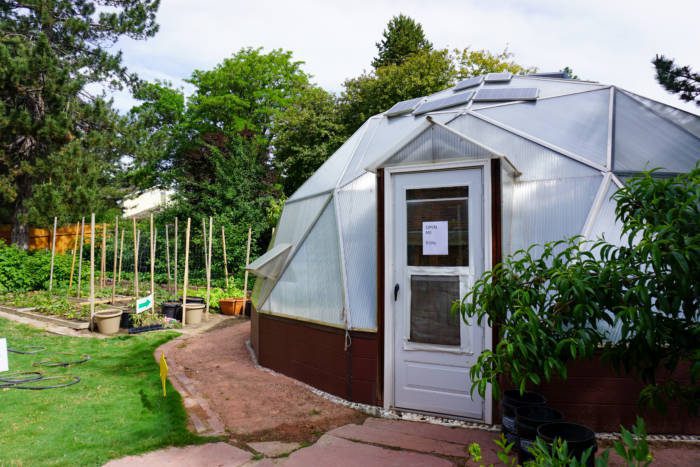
403, 37
50, 50
677, 79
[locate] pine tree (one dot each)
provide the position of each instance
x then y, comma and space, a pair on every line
677, 79
403, 37
50, 50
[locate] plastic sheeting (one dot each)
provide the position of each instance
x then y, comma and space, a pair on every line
358, 224
547, 210
604, 223
271, 263
681, 118
577, 123
297, 217
645, 141
534, 161
311, 286
437, 145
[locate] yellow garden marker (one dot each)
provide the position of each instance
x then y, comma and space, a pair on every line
163, 371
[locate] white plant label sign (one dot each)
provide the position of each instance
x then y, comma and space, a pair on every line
145, 303
4, 364
435, 238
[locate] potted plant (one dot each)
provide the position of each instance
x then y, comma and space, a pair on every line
143, 322
234, 304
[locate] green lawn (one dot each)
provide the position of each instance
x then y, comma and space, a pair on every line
117, 409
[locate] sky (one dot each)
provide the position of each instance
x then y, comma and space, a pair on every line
609, 41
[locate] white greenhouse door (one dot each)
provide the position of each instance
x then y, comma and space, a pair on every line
438, 252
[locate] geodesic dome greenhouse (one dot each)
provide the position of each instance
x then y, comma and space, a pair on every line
355, 292
570, 144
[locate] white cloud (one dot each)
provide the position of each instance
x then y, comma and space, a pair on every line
603, 40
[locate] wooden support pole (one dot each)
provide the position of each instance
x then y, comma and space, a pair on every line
175, 260
223, 246
80, 256
53, 252
153, 262
167, 254
211, 230
103, 258
247, 260
204, 237
121, 255
92, 271
75, 253
114, 262
136, 261
187, 272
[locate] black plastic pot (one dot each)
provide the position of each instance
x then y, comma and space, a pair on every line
140, 329
579, 438
172, 310
512, 399
125, 321
527, 420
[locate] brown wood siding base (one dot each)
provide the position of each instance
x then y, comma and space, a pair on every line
316, 355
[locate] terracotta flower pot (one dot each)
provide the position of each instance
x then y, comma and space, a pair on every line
108, 321
232, 306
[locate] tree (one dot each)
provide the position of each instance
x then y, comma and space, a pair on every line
469, 63
560, 305
677, 79
305, 135
420, 74
403, 37
50, 50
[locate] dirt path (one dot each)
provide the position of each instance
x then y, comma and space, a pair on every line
218, 369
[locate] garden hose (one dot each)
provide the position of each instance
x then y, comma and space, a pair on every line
52, 362
18, 377
31, 350
32, 385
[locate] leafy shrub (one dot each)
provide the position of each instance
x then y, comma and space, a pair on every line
13, 273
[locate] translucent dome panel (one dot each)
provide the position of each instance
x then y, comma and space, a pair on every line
577, 123
546, 210
388, 133
680, 117
534, 161
329, 174
604, 225
297, 217
311, 286
437, 145
550, 87
644, 140
357, 211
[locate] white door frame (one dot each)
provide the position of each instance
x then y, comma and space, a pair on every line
389, 322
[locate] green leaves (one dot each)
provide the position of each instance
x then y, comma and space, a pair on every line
637, 304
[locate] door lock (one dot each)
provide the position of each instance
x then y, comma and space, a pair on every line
396, 292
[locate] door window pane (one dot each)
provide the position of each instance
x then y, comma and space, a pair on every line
438, 205
432, 321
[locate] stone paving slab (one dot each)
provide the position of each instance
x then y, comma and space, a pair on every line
395, 439
205, 455
338, 452
274, 448
450, 434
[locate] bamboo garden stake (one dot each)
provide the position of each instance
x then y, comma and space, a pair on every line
223, 246
92, 271
75, 253
187, 272
175, 259
103, 261
136, 260
114, 262
121, 255
53, 253
247, 260
167, 254
80, 256
153, 262
211, 229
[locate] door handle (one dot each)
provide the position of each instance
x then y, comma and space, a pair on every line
396, 292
